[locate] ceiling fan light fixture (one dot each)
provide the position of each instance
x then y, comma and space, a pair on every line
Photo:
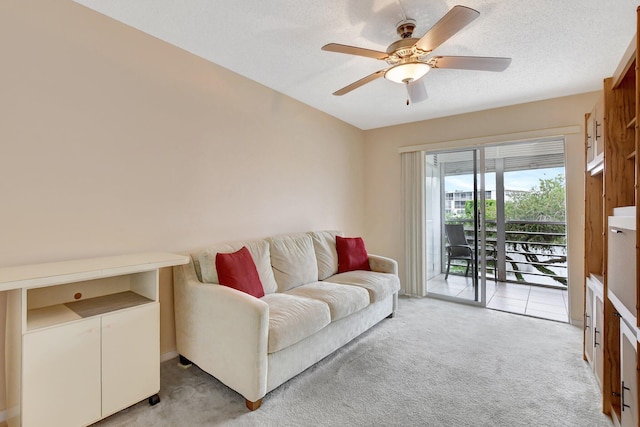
407, 72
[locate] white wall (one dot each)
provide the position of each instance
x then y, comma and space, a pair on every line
384, 226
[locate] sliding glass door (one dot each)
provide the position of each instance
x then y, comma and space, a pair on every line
456, 205
495, 228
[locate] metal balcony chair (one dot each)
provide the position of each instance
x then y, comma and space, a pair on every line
460, 249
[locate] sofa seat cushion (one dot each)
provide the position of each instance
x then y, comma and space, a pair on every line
293, 318
342, 300
379, 285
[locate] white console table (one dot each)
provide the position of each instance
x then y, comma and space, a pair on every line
82, 337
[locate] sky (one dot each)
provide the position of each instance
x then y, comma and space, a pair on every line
520, 180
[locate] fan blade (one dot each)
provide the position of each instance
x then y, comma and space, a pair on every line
361, 82
417, 91
470, 63
352, 50
455, 20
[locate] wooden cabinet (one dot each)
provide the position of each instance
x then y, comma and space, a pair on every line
612, 254
83, 338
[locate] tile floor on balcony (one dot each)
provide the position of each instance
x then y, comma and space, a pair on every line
536, 301
529, 300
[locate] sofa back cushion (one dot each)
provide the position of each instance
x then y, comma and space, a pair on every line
324, 244
293, 260
259, 250
196, 265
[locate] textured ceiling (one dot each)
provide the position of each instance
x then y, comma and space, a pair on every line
558, 48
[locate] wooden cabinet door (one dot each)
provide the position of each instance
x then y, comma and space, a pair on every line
61, 375
628, 376
130, 357
598, 327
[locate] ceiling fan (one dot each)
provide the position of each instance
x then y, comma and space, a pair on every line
409, 57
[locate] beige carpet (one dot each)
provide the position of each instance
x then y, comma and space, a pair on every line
435, 364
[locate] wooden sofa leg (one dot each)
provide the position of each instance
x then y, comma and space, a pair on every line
252, 406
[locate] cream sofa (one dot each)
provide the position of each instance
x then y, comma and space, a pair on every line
255, 344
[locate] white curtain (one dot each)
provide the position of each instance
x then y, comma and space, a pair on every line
413, 204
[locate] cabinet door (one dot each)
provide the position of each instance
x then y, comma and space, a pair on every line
61, 375
598, 128
595, 137
628, 376
598, 327
588, 325
590, 137
130, 356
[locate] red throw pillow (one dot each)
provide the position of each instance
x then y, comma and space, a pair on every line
352, 254
238, 271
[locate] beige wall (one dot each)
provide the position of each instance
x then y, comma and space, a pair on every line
384, 226
114, 142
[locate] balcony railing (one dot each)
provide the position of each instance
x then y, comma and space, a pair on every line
535, 252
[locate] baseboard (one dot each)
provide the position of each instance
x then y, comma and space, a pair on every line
577, 323
168, 356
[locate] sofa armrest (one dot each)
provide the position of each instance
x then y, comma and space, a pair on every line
223, 331
382, 264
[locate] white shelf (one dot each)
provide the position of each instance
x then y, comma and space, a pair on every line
595, 282
596, 166
54, 273
620, 221
49, 316
628, 317
624, 211
52, 315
